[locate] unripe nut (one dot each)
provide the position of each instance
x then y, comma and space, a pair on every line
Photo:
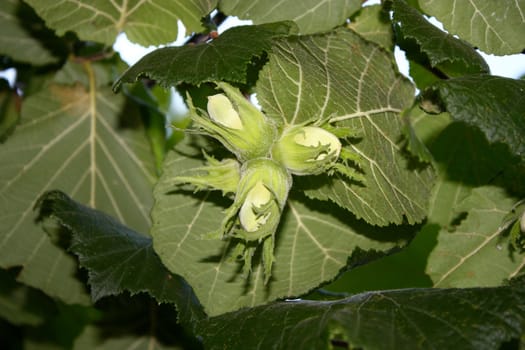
307, 150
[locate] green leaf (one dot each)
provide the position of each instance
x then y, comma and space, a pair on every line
311, 16
476, 253
146, 23
461, 166
464, 160
311, 247
470, 248
225, 58
373, 23
477, 318
496, 27
305, 80
493, 104
116, 257
83, 141
23, 36
450, 55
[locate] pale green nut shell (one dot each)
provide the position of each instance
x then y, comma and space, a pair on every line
236, 123
262, 194
221, 111
307, 150
258, 197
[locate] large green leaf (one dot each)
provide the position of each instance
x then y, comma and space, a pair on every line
81, 140
151, 22
23, 36
496, 27
311, 16
477, 318
225, 58
450, 55
494, 104
465, 215
341, 77
312, 244
464, 160
116, 257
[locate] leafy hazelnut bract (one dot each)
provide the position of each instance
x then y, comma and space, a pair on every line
261, 175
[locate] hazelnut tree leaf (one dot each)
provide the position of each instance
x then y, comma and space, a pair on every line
79, 139
496, 27
304, 80
151, 22
450, 55
312, 244
311, 16
118, 258
225, 58
460, 202
493, 104
473, 318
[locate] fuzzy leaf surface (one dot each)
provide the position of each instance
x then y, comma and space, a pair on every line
476, 318
311, 16
77, 139
117, 258
225, 58
496, 27
494, 104
312, 245
451, 55
147, 23
305, 80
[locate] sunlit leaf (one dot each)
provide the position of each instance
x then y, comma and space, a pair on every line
305, 79
496, 27
311, 16
78, 139
145, 22
312, 245
477, 318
